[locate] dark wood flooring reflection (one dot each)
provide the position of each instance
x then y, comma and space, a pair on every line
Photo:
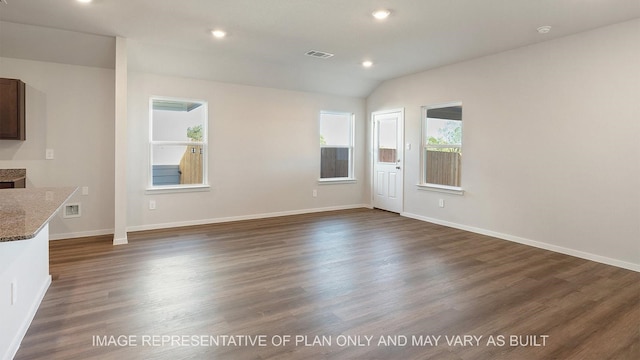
341, 276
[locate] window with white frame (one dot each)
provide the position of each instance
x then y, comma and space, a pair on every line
442, 145
178, 143
336, 145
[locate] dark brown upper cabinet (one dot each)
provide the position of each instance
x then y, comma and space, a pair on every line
12, 94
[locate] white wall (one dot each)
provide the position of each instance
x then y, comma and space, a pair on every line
551, 152
264, 155
69, 109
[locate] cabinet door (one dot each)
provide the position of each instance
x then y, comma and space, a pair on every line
12, 125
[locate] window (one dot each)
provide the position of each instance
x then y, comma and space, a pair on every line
178, 143
442, 146
336, 146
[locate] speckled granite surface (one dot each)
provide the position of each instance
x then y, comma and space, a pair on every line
23, 212
10, 175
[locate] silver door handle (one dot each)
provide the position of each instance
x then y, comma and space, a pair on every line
398, 167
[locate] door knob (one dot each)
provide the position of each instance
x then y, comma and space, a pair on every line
398, 167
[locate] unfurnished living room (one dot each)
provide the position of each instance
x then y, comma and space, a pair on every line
320, 179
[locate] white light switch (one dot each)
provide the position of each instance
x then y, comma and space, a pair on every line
85, 190
49, 155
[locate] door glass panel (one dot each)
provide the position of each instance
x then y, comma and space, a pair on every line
387, 140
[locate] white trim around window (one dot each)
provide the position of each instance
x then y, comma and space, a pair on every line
441, 145
178, 150
337, 147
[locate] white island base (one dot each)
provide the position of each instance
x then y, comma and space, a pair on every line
24, 279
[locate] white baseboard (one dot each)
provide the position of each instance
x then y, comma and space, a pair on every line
22, 331
121, 241
80, 234
534, 243
75, 235
240, 218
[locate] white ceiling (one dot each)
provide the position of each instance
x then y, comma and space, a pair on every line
268, 38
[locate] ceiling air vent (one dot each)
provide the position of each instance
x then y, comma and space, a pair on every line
318, 54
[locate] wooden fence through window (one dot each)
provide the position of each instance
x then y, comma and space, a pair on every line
443, 168
191, 165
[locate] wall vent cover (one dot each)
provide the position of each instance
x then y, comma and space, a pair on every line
318, 54
72, 211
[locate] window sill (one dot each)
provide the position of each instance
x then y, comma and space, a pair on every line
337, 181
441, 188
177, 189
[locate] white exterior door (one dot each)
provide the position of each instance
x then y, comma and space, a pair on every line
388, 157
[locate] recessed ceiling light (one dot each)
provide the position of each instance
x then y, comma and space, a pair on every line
218, 34
381, 14
85, 1
367, 63
544, 29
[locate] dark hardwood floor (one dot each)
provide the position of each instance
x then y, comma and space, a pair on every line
357, 275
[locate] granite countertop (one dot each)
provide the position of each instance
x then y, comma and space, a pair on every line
24, 212
11, 175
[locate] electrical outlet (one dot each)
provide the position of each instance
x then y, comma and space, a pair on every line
441, 203
314, 193
49, 154
152, 204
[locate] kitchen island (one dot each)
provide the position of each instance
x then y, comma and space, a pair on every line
24, 257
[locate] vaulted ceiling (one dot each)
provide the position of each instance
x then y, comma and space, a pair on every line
267, 40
